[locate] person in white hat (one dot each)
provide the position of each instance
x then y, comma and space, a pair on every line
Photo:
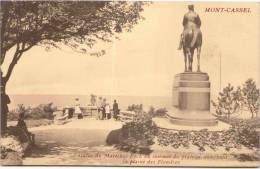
78, 111
107, 111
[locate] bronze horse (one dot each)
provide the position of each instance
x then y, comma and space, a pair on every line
190, 43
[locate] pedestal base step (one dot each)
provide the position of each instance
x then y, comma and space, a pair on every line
191, 117
192, 122
164, 123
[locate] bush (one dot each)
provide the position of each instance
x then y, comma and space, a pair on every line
12, 115
11, 158
10, 144
137, 136
14, 144
161, 112
135, 108
173, 138
247, 134
233, 121
42, 111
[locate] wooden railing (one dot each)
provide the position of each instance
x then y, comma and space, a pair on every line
126, 116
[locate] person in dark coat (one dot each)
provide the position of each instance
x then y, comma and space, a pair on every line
21, 124
115, 110
104, 102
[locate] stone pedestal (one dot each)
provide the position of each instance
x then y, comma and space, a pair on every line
191, 100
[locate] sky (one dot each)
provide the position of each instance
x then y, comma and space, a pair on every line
144, 61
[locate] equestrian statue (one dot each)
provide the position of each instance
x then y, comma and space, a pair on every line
191, 38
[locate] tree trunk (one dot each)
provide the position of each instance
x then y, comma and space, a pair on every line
4, 106
5, 100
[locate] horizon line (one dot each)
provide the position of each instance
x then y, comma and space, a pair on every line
97, 95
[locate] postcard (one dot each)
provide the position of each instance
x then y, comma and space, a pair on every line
130, 83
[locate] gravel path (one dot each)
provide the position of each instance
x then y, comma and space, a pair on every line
62, 144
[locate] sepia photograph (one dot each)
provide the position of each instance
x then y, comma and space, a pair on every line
130, 83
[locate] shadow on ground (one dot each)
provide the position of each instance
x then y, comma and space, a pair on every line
63, 146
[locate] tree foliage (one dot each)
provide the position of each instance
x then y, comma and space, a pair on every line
39, 112
77, 24
138, 135
161, 112
229, 101
251, 95
232, 100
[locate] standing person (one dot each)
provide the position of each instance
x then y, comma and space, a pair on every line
78, 111
103, 108
99, 107
107, 111
115, 110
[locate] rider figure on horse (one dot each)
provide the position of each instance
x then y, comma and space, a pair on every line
191, 22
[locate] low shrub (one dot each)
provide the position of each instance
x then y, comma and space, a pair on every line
255, 122
237, 136
245, 129
161, 112
173, 138
11, 144
135, 107
14, 145
12, 115
42, 111
11, 158
137, 136
247, 134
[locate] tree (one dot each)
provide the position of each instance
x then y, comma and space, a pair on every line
251, 97
229, 101
77, 24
